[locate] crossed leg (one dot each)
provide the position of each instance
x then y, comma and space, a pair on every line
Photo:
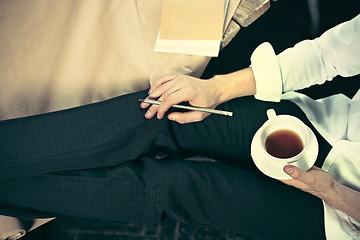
146, 190
95, 161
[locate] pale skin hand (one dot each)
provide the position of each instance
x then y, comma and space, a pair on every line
322, 185
199, 93
180, 88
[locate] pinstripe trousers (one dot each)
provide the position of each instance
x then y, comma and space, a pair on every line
98, 161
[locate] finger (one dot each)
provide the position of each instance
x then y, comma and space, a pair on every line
171, 85
293, 171
298, 173
169, 100
152, 111
163, 89
187, 117
306, 178
160, 81
159, 93
144, 105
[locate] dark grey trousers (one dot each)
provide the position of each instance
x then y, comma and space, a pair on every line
98, 161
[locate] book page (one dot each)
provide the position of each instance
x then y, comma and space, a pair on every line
192, 19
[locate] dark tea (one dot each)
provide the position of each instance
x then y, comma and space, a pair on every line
283, 143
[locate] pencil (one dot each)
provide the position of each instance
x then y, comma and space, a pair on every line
201, 109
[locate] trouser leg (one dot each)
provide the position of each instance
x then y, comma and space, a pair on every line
200, 193
115, 131
242, 200
116, 193
109, 135
228, 139
97, 135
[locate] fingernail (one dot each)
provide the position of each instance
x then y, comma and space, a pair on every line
148, 113
288, 170
172, 118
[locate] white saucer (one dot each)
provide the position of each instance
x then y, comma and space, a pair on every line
276, 170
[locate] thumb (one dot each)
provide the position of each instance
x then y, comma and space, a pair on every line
294, 172
187, 117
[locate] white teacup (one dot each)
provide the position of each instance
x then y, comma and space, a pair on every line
295, 144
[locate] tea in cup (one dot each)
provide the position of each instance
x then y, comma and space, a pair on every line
283, 140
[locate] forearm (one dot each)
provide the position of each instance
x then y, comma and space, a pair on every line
324, 186
233, 85
345, 199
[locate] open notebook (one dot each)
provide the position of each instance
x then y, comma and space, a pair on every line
192, 27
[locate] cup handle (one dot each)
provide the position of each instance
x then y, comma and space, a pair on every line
270, 113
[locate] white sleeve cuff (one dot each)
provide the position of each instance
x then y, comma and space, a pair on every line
267, 73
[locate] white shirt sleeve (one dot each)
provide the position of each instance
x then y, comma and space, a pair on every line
267, 73
310, 62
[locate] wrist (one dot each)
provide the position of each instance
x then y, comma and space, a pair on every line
233, 85
333, 195
220, 88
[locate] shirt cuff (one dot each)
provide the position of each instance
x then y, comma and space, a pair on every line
267, 73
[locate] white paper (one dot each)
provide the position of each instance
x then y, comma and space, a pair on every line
205, 37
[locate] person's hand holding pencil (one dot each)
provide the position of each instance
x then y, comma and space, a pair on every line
204, 95
172, 90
